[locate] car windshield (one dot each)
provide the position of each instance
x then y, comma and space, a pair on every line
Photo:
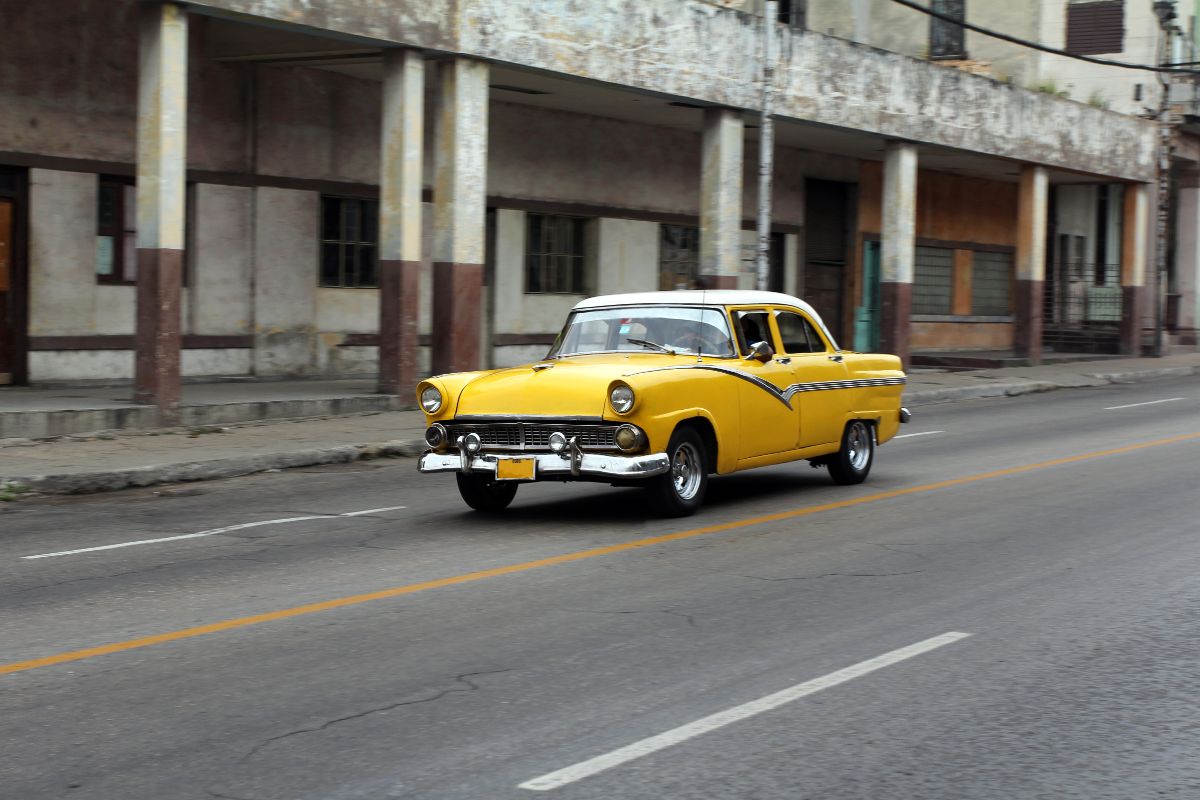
674, 329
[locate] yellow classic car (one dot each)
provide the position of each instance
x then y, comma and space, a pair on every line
663, 389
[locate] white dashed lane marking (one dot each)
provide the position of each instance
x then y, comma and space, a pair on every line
213, 532
585, 769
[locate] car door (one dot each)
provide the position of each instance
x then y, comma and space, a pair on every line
819, 374
769, 421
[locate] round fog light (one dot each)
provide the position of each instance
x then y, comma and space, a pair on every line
628, 437
558, 442
472, 443
435, 436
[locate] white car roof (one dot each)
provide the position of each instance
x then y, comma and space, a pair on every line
696, 297
706, 297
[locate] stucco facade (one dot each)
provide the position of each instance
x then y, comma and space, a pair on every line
590, 112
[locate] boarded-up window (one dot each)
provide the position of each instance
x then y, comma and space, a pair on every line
933, 280
991, 275
1096, 27
946, 38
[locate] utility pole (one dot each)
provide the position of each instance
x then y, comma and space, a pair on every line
1165, 11
766, 148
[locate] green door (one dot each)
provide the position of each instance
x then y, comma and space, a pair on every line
866, 315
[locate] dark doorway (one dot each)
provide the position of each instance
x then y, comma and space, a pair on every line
826, 231
13, 279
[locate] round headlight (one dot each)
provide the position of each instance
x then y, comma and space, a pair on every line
435, 436
431, 399
621, 398
558, 442
628, 437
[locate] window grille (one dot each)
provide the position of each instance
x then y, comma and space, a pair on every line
349, 243
554, 254
933, 281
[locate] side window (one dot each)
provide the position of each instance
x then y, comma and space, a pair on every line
799, 335
751, 327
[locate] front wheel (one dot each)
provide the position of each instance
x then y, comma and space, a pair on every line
851, 464
680, 491
484, 494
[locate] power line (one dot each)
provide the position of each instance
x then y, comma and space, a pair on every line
1037, 45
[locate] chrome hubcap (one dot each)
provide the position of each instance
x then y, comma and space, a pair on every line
686, 471
858, 446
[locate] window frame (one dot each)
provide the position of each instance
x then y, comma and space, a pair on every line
119, 230
576, 280
368, 209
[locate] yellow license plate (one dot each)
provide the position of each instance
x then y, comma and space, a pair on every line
515, 469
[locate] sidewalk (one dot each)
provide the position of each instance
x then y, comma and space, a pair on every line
117, 460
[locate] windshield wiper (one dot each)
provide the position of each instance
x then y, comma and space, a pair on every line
652, 345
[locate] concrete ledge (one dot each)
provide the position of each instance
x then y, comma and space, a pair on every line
212, 469
43, 424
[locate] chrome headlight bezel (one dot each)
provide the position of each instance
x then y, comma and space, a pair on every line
431, 399
622, 398
639, 438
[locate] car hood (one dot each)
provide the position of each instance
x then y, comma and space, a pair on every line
575, 386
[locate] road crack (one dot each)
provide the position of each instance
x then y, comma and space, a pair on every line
465, 679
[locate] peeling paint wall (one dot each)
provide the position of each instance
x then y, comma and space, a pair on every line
707, 53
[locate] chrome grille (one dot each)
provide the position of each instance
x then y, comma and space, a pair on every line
535, 435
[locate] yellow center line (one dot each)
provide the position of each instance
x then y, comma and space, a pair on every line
566, 558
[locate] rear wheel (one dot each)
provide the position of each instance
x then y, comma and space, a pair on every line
680, 491
852, 463
485, 494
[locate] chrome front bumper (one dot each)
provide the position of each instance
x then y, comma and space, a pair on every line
552, 465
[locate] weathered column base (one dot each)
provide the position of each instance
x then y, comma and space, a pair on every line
399, 285
896, 319
457, 292
720, 281
1131, 320
1027, 313
157, 375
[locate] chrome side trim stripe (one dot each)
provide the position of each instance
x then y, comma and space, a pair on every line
785, 395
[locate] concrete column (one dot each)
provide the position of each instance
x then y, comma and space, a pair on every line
1187, 256
161, 168
459, 214
721, 198
1135, 234
898, 245
1032, 200
400, 163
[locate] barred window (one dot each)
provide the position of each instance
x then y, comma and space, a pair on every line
991, 284
933, 280
678, 257
554, 255
349, 242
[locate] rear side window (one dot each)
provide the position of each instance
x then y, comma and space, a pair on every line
798, 334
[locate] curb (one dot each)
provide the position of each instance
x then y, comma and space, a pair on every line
950, 394
211, 469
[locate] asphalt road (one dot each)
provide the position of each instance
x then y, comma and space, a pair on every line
1006, 609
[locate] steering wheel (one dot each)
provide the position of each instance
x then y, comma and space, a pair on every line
698, 343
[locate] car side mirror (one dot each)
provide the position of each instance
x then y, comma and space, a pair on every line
760, 351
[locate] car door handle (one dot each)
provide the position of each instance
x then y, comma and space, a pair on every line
783, 361
836, 358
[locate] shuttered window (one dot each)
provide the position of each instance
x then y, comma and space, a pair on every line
933, 280
1096, 27
946, 38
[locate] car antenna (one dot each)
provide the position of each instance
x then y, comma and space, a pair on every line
700, 326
